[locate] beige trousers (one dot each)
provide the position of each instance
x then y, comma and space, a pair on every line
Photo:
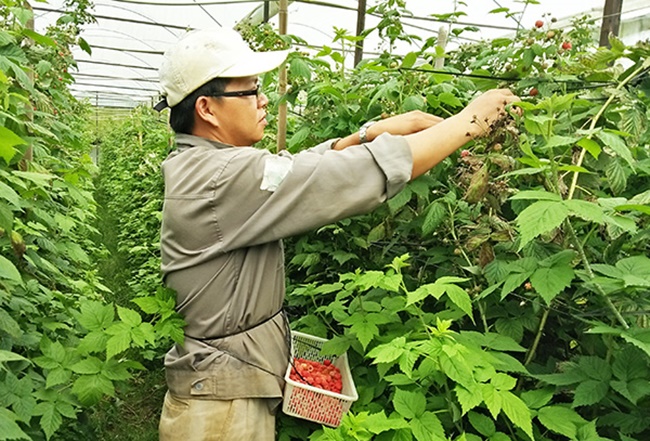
215, 420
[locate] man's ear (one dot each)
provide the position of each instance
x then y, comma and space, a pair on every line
204, 109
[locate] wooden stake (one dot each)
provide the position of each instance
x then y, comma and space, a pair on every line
611, 20
361, 25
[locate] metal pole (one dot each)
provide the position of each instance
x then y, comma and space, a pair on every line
282, 80
266, 11
361, 25
611, 20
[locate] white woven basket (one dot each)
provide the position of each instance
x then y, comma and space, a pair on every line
313, 403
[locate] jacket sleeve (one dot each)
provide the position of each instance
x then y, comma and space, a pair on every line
260, 197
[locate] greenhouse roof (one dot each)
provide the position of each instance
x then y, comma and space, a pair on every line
130, 36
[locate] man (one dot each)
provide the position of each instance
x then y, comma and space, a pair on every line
227, 208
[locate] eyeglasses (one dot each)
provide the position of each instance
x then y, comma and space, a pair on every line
236, 93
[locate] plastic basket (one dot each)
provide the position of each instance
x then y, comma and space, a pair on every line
313, 403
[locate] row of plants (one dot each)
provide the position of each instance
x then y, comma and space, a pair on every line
67, 340
503, 296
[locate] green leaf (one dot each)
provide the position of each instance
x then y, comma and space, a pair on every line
409, 60
617, 144
559, 141
9, 194
299, 68
436, 214
51, 420
41, 39
616, 177
389, 352
378, 423
91, 388
450, 99
586, 210
409, 404
427, 427
539, 218
9, 430
590, 392
517, 411
83, 44
561, 420
645, 209
129, 316
549, 282
56, 376
595, 368
9, 271
118, 343
590, 146
11, 356
535, 399
483, 425
8, 140
89, 366
492, 399
468, 399
460, 298
95, 316
536, 195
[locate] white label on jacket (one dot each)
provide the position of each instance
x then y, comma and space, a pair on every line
276, 168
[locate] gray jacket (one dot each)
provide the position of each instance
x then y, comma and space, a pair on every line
225, 213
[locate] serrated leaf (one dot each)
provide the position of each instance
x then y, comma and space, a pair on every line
389, 352
95, 316
50, 421
595, 368
616, 177
560, 420
460, 298
427, 427
399, 200
492, 399
539, 218
549, 282
517, 411
149, 305
589, 392
483, 425
89, 366
129, 316
409, 404
586, 210
630, 364
117, 344
617, 144
378, 423
95, 341
57, 376
8, 140
436, 214
535, 399
468, 399
91, 388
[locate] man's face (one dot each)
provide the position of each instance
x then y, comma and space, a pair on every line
242, 119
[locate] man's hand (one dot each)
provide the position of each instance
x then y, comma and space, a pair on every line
487, 109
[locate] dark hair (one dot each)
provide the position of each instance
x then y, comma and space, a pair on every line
181, 118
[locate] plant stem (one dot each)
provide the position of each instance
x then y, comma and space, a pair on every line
592, 126
538, 337
590, 272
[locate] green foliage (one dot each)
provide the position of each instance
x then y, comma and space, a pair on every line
525, 285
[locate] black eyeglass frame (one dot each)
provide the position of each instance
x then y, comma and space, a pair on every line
238, 93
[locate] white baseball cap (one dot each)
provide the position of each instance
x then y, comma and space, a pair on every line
203, 55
